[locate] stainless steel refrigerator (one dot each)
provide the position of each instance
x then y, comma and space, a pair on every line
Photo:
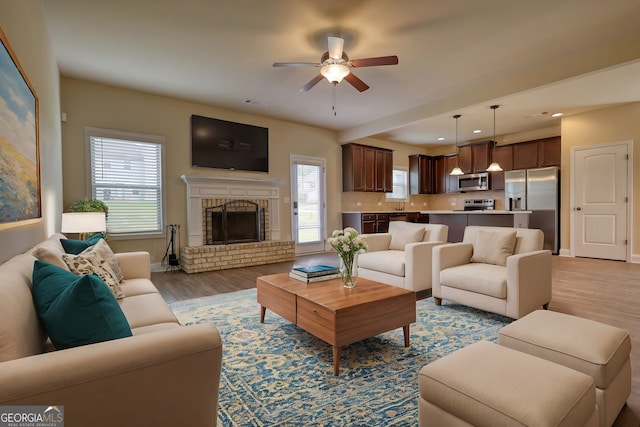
538, 191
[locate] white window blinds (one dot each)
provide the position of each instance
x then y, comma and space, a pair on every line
127, 176
399, 185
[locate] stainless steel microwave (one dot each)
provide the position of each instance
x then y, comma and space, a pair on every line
473, 182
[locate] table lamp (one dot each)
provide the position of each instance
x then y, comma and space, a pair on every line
83, 222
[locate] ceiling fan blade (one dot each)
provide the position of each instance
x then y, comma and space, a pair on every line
356, 82
372, 62
336, 44
297, 64
314, 81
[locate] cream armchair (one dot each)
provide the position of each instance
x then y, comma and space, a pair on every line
498, 269
402, 257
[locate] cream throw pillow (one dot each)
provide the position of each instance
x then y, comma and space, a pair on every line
44, 254
403, 235
91, 261
493, 247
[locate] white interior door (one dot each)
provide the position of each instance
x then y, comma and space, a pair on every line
600, 189
308, 204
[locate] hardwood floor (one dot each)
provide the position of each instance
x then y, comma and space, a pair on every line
605, 291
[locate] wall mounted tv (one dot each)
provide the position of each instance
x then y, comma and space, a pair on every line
227, 145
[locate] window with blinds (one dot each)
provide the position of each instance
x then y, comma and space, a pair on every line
126, 173
399, 186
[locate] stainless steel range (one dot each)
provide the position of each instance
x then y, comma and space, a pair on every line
479, 204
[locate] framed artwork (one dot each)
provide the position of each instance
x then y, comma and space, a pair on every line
19, 148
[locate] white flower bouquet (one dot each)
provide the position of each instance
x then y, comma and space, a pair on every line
347, 243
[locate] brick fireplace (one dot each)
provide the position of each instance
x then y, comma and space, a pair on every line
205, 192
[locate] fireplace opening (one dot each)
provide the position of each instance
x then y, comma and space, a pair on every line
237, 221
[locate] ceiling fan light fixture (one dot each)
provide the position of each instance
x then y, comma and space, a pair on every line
334, 73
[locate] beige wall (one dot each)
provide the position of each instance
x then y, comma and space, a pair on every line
607, 125
96, 105
23, 24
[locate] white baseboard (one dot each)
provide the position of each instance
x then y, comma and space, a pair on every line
634, 258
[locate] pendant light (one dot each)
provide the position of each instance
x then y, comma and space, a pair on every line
457, 170
494, 167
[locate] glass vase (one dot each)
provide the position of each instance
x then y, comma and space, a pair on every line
348, 273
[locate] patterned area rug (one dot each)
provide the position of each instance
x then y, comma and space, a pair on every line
276, 374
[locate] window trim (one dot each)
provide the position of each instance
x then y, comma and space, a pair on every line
406, 186
131, 136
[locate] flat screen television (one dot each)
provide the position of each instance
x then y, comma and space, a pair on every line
221, 144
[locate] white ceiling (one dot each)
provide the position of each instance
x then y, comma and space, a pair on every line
457, 56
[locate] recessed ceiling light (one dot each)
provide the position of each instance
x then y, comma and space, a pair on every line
441, 139
254, 102
556, 114
477, 131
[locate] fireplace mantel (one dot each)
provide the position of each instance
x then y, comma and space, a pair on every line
206, 186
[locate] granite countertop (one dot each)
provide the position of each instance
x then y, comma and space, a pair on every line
381, 212
485, 212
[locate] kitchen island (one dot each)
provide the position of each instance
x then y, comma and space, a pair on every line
458, 220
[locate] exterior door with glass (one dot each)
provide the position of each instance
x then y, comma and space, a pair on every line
308, 204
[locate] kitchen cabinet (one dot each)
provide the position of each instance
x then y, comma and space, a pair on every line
465, 159
480, 157
549, 152
474, 158
443, 182
366, 168
421, 174
537, 154
366, 223
503, 155
383, 175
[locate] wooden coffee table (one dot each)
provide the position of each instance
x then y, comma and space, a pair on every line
337, 315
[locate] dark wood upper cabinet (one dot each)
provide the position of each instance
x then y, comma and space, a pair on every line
537, 154
480, 156
465, 158
525, 155
439, 175
421, 174
503, 155
451, 181
366, 168
549, 152
383, 171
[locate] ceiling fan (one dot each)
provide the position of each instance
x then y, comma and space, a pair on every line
336, 65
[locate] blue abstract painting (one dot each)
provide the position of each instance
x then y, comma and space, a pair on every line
19, 157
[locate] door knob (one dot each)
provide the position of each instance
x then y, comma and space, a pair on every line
578, 208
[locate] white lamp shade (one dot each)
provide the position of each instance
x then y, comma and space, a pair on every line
494, 167
83, 222
334, 72
456, 171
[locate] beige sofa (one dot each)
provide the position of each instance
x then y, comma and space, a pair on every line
513, 280
164, 375
402, 257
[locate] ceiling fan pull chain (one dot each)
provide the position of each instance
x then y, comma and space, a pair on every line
333, 98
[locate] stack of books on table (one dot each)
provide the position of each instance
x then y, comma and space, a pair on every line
314, 273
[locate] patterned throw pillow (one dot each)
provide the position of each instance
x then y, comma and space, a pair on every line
90, 262
107, 256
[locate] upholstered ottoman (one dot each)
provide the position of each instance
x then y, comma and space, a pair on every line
598, 350
485, 384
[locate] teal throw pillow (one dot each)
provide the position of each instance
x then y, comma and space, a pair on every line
76, 246
76, 310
